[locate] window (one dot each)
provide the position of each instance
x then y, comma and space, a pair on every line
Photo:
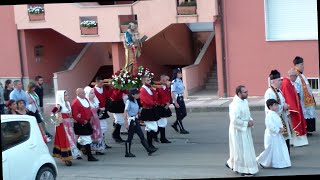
14, 133
314, 83
291, 20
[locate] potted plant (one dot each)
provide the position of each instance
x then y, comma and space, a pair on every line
36, 13
89, 27
124, 25
187, 7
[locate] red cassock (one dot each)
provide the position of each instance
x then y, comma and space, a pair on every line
299, 124
78, 108
103, 97
163, 96
147, 100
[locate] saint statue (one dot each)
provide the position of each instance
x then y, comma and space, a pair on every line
132, 48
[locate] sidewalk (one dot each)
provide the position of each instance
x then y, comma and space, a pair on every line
201, 103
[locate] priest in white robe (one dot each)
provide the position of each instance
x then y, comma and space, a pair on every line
307, 100
242, 153
275, 154
274, 92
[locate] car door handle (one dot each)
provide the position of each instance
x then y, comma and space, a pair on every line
4, 159
32, 145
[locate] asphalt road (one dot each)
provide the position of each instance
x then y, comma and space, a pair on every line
200, 154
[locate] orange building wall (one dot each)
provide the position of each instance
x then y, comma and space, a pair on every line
9, 51
56, 48
250, 58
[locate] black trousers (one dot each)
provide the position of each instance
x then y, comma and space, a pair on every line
181, 112
288, 144
134, 127
311, 124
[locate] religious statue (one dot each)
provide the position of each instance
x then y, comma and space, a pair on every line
132, 48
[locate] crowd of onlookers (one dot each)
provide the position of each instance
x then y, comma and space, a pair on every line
14, 100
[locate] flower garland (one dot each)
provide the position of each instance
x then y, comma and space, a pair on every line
89, 24
35, 10
125, 80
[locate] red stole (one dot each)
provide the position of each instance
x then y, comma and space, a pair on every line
307, 97
299, 124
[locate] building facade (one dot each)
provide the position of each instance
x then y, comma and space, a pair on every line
219, 44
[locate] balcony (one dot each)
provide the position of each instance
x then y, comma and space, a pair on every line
152, 16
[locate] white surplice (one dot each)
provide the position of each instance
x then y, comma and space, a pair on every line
242, 153
271, 95
308, 112
275, 154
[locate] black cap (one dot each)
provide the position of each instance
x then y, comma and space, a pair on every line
177, 70
297, 60
274, 74
134, 91
271, 102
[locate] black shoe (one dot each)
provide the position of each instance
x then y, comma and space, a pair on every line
108, 147
309, 134
68, 163
79, 158
228, 166
48, 134
246, 174
261, 166
99, 153
152, 147
130, 155
174, 126
165, 141
183, 131
91, 158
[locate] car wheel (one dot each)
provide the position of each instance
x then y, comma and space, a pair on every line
46, 173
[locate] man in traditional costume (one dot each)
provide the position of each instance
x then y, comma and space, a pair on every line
242, 154
163, 101
116, 107
299, 125
275, 154
148, 99
103, 95
81, 113
132, 48
274, 92
308, 103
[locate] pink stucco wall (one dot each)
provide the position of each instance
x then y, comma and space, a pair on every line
56, 49
79, 77
153, 17
195, 75
250, 58
172, 46
9, 58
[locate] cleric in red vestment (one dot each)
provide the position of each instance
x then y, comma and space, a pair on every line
298, 123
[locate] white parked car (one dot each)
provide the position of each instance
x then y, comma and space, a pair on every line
25, 156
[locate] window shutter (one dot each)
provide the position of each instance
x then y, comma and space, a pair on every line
291, 20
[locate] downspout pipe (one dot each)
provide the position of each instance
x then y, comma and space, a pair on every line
224, 69
20, 55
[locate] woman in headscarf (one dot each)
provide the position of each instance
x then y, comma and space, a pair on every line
65, 141
98, 145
